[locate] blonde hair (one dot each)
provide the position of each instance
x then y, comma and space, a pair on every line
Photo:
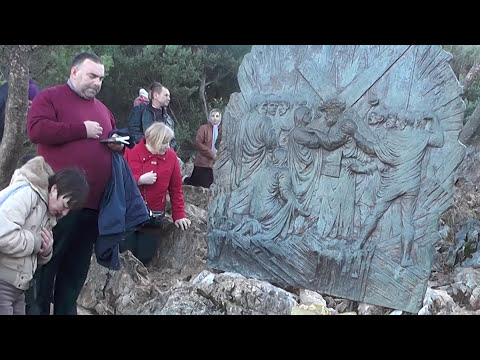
158, 135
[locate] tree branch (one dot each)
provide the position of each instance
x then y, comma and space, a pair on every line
471, 75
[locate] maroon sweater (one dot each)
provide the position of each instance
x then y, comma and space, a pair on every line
55, 123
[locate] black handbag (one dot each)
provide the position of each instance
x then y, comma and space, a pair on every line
156, 219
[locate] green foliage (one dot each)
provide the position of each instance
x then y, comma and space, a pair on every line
51, 63
186, 133
462, 61
223, 73
131, 67
179, 68
471, 99
463, 58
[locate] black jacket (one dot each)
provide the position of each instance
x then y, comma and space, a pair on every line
142, 116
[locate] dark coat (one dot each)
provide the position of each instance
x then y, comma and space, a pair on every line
122, 210
142, 116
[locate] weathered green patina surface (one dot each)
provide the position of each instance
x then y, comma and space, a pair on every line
335, 165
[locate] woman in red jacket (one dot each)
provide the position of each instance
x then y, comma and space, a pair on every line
207, 136
156, 170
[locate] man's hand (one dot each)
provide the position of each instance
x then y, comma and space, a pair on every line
94, 130
183, 223
116, 146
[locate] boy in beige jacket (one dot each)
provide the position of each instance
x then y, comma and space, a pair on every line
29, 209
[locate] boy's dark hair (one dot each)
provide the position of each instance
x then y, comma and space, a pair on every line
80, 58
72, 183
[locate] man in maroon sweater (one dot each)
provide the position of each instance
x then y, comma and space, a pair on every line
68, 122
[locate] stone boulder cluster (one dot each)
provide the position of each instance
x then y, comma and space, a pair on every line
178, 281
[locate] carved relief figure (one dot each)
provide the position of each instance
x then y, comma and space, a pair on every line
368, 167
272, 105
283, 107
256, 134
273, 203
338, 184
305, 150
303, 162
403, 149
255, 138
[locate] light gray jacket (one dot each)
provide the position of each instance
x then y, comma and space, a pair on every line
23, 212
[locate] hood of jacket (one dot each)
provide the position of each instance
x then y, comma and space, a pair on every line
34, 172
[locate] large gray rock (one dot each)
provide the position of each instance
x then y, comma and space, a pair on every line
196, 195
183, 251
134, 290
460, 230
466, 289
108, 292
178, 282
226, 294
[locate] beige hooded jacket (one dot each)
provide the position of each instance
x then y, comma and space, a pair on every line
23, 212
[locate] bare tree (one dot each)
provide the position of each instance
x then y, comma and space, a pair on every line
470, 126
471, 75
201, 92
16, 109
473, 121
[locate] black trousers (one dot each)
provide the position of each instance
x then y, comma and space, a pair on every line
201, 176
142, 245
62, 278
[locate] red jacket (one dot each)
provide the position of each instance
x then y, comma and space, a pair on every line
169, 178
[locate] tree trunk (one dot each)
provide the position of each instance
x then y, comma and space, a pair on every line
474, 121
201, 92
472, 75
470, 127
16, 109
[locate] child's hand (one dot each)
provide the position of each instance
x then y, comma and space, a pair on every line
47, 241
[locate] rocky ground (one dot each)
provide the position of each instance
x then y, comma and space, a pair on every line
178, 281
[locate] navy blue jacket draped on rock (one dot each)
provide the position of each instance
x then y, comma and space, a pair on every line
122, 209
